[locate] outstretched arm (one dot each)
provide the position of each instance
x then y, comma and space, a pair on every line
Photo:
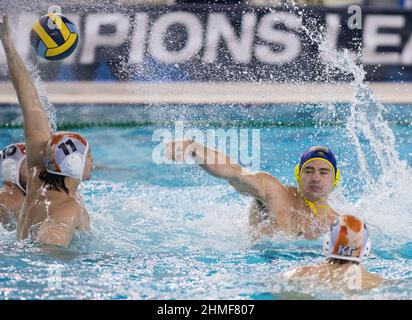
221, 166
36, 126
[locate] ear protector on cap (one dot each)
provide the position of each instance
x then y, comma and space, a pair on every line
11, 160
74, 164
9, 170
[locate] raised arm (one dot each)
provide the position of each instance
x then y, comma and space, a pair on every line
36, 126
221, 166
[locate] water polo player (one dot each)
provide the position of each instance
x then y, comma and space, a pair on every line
14, 176
294, 211
56, 164
345, 246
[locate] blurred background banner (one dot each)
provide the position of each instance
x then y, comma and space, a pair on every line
251, 41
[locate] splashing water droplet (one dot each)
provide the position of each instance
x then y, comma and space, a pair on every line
386, 179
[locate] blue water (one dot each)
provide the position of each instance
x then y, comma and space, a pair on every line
174, 232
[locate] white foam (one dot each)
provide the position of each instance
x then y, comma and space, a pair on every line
386, 179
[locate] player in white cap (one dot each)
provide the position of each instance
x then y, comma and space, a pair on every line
56, 164
345, 246
13, 171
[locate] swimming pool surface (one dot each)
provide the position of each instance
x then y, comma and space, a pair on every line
174, 232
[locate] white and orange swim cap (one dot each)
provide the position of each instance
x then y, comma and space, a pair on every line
66, 154
348, 239
11, 159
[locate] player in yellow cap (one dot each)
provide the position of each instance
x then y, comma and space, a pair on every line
302, 211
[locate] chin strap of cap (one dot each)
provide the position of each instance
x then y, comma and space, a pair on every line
314, 206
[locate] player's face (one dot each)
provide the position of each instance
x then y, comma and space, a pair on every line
88, 166
317, 180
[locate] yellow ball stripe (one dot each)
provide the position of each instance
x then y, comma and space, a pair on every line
65, 46
60, 25
48, 41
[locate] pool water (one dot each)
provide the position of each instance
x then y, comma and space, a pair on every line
163, 231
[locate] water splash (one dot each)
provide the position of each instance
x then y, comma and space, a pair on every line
155, 216
42, 91
384, 177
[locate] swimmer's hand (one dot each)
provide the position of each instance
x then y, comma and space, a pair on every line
4, 27
178, 150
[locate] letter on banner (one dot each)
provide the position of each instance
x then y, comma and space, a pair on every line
94, 39
138, 42
290, 41
194, 30
372, 39
331, 37
218, 27
406, 57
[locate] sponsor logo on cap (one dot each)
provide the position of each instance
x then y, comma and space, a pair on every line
347, 251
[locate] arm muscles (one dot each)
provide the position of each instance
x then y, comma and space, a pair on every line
221, 166
36, 126
257, 184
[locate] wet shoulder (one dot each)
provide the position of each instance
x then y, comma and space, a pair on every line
76, 212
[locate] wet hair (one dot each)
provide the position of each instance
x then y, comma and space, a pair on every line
53, 181
23, 184
341, 261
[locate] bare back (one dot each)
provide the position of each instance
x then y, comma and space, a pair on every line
50, 216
